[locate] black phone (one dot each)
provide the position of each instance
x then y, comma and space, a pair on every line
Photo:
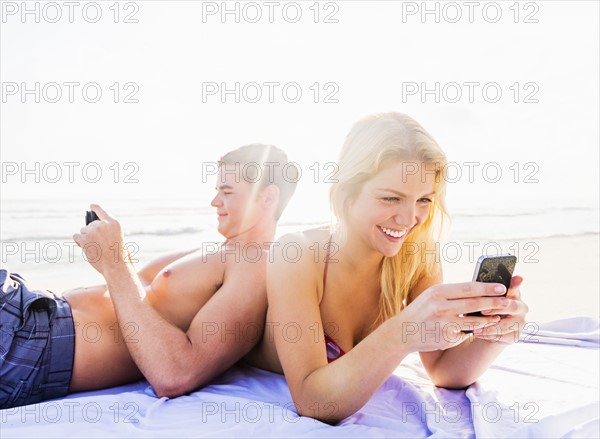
497, 269
90, 216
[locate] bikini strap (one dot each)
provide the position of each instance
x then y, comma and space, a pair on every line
333, 350
328, 250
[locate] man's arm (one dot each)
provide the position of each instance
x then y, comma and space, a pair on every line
223, 331
174, 361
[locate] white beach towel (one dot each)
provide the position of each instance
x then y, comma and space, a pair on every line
533, 389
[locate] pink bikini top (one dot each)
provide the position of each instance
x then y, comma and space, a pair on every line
333, 350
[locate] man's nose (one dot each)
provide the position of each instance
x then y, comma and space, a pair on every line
216, 201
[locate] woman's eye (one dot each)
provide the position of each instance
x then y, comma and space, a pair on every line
397, 199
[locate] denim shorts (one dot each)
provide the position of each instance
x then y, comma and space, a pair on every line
37, 343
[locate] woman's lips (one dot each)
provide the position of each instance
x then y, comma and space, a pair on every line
393, 235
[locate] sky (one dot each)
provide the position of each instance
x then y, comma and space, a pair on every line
120, 100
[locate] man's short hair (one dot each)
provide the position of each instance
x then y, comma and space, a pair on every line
265, 165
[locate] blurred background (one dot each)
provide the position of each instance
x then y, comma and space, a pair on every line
130, 104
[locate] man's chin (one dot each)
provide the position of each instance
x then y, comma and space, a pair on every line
223, 230
227, 232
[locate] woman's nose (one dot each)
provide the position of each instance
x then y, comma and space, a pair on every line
407, 216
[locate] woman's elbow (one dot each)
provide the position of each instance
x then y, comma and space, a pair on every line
328, 413
320, 407
315, 399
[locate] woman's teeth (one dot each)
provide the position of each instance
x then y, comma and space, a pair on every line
393, 233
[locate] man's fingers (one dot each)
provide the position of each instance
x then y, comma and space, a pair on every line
77, 238
102, 214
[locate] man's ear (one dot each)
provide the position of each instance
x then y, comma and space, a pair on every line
271, 194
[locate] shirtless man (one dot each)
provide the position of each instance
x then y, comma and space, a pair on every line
182, 320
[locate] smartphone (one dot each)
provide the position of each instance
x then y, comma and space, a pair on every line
90, 216
497, 269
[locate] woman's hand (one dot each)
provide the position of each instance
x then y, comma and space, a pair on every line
436, 319
512, 315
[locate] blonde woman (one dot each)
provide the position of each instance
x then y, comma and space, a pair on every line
346, 305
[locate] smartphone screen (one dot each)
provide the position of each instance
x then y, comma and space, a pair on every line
496, 269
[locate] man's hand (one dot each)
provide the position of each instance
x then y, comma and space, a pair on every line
102, 242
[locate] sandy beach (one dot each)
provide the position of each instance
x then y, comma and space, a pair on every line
561, 277
562, 283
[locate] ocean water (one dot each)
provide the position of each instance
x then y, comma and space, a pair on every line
36, 235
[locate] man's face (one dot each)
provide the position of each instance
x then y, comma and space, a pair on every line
239, 205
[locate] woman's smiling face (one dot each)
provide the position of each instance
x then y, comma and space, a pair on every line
391, 204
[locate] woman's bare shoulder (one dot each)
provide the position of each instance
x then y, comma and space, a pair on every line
310, 241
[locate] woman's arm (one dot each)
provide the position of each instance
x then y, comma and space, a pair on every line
462, 365
331, 392
328, 392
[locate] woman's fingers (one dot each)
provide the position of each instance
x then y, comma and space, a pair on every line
513, 307
515, 282
469, 289
475, 304
506, 330
469, 323
489, 301
445, 310
497, 337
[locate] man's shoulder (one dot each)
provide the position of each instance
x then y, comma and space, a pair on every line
207, 253
244, 260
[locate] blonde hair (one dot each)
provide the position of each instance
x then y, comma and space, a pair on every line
372, 143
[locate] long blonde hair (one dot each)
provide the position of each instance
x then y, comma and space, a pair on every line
372, 143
